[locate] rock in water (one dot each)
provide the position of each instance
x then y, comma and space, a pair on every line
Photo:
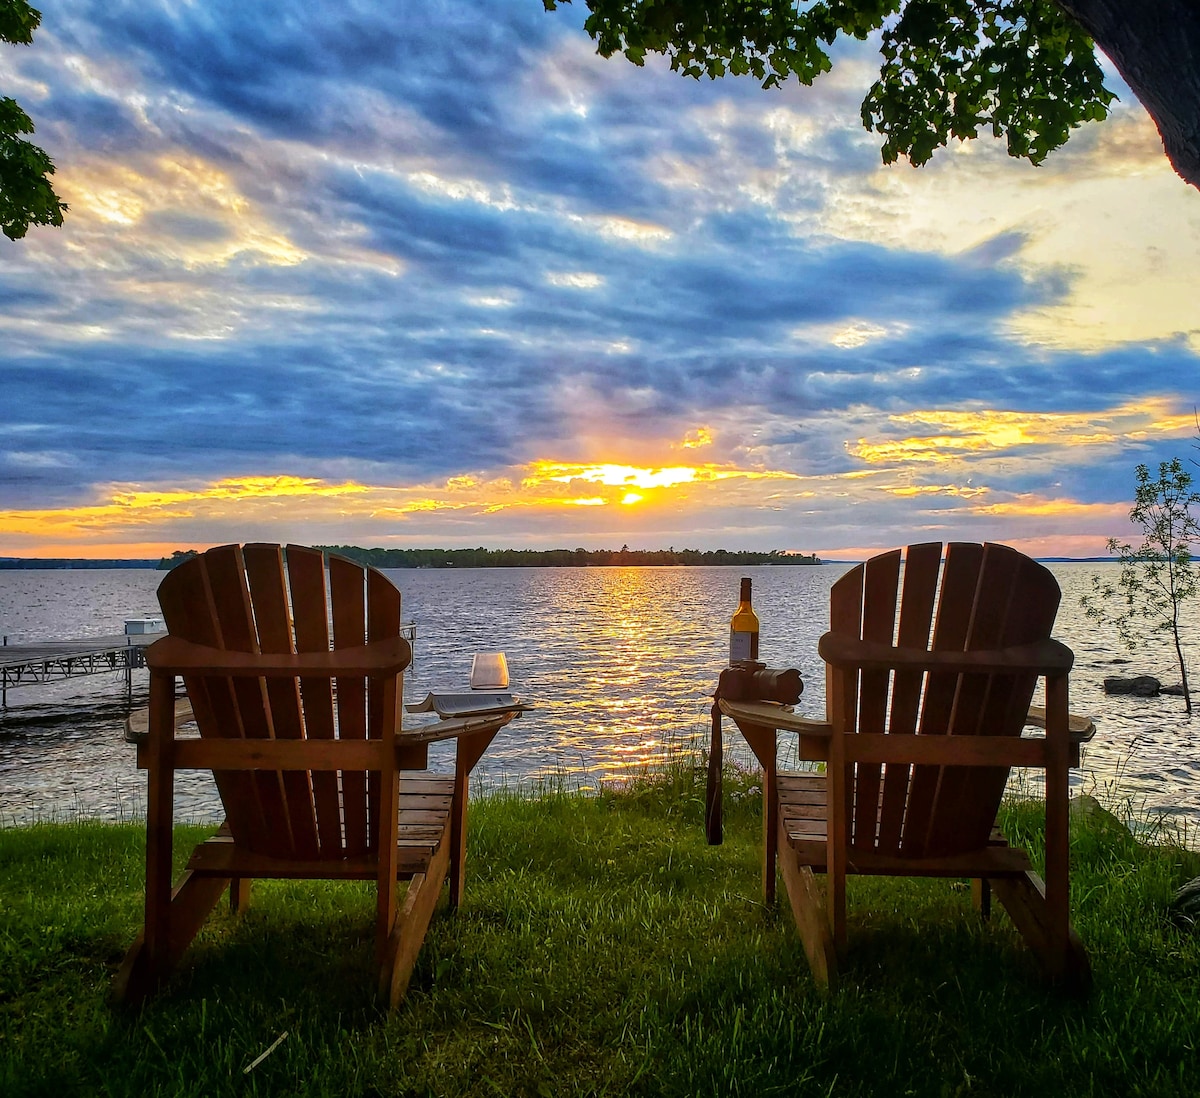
1140, 686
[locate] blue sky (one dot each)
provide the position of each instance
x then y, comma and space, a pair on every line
435, 274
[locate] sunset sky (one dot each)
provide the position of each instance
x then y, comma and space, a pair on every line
432, 273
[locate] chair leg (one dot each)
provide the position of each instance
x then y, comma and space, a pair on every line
770, 810
1024, 898
835, 888
812, 919
404, 943
469, 751
981, 897
239, 895
191, 902
458, 839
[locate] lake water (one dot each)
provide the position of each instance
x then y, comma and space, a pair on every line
619, 663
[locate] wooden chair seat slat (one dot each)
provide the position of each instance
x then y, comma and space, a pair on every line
419, 833
806, 829
416, 783
803, 812
804, 804
422, 815
433, 799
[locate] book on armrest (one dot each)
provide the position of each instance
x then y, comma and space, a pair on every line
465, 703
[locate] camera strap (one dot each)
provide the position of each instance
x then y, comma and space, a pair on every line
713, 820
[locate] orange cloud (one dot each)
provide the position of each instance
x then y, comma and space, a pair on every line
959, 491
966, 434
125, 513
1028, 504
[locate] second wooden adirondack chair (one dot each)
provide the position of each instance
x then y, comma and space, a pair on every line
294, 674
930, 670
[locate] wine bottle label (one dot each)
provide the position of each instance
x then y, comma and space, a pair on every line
741, 646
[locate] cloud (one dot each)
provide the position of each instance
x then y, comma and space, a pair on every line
149, 513
973, 433
422, 253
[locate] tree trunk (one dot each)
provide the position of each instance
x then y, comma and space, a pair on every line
1187, 693
1155, 45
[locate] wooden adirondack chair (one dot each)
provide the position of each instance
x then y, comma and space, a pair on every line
920, 731
296, 685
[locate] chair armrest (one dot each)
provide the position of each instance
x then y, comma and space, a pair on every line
137, 724
1044, 657
1081, 729
454, 727
173, 655
773, 715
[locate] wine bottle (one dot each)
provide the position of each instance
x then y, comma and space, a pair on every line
743, 628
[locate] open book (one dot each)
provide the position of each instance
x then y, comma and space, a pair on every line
465, 703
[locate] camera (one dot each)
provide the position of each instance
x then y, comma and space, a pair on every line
749, 680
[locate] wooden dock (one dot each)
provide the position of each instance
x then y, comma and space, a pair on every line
53, 661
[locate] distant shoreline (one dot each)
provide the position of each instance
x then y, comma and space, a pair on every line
18, 564
728, 559
469, 558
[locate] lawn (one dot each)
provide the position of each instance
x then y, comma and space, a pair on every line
603, 948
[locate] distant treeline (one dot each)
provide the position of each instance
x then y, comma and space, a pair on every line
72, 562
559, 558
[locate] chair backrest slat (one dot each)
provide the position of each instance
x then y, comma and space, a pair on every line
845, 612
880, 583
310, 620
845, 616
268, 595
921, 566
348, 602
383, 620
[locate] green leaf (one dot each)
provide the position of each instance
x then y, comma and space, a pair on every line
26, 196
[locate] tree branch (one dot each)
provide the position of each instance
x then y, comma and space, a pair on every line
1155, 46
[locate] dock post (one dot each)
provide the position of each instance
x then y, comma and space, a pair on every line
4, 681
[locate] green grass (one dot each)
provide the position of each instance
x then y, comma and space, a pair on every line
603, 948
